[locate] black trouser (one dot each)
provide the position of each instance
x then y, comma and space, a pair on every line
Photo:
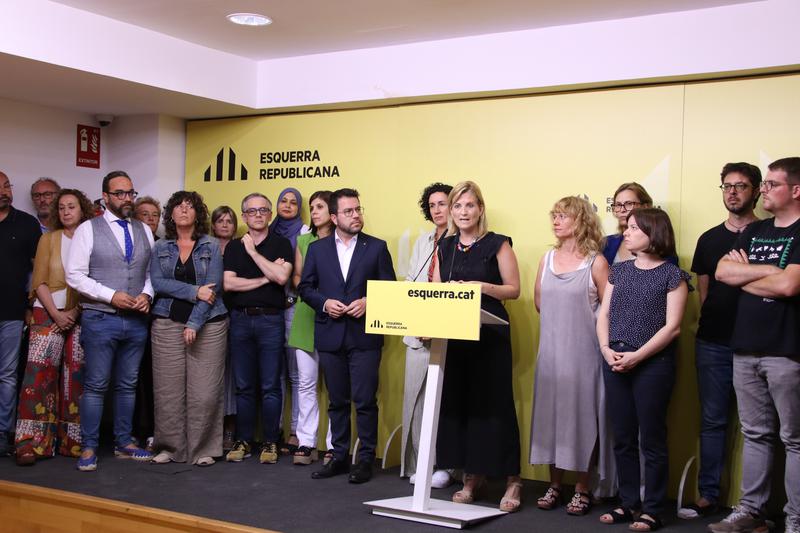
637, 402
352, 375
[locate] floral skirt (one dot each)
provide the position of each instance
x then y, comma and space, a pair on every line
51, 390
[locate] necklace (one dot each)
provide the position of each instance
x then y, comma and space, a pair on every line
738, 228
466, 247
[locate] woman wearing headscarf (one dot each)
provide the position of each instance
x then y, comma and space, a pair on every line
289, 224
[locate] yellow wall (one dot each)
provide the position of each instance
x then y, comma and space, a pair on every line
526, 153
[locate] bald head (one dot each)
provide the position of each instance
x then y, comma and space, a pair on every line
6, 196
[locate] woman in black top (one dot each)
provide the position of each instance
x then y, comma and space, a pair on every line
478, 429
639, 321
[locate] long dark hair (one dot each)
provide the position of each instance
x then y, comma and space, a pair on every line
325, 196
201, 223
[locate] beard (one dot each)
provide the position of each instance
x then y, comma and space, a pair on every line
740, 210
123, 211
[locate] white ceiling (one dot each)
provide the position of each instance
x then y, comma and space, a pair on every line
304, 27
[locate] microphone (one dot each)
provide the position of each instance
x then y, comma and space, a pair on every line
436, 246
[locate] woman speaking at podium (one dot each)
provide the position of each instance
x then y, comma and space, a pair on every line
478, 429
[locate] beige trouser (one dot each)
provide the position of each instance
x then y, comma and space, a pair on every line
188, 385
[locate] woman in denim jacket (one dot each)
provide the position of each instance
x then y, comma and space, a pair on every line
189, 335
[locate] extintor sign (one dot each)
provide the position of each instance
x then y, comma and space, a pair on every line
88, 147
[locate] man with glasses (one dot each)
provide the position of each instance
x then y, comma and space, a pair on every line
334, 284
109, 265
257, 267
19, 237
713, 354
765, 264
43, 191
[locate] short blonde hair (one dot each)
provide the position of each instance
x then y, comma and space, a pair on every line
459, 190
588, 232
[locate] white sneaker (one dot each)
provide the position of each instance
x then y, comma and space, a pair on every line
441, 479
412, 479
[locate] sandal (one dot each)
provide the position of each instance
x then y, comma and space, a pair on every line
693, 511
290, 446
304, 455
468, 495
550, 500
647, 522
619, 515
511, 505
327, 457
580, 504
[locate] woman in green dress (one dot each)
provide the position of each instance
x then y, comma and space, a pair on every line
301, 337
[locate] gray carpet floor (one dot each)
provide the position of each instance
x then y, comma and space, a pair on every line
283, 497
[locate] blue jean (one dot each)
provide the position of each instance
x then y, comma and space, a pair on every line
112, 344
715, 386
637, 402
257, 355
10, 339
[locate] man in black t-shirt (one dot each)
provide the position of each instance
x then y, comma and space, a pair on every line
19, 237
765, 264
257, 267
713, 354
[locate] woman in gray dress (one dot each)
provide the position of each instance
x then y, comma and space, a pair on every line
568, 430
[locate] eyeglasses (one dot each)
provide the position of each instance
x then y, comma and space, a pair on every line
253, 211
352, 211
6, 186
46, 195
740, 187
625, 206
121, 195
768, 185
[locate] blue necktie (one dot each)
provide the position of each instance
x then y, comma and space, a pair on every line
128, 240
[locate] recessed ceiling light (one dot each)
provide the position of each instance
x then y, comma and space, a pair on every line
249, 19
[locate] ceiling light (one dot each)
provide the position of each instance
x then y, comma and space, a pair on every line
249, 19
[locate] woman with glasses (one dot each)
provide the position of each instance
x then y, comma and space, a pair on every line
301, 340
289, 224
224, 225
478, 429
569, 429
189, 335
627, 197
637, 327
53, 381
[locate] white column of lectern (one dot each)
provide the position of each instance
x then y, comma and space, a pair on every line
420, 507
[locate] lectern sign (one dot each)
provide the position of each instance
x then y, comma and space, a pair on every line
435, 310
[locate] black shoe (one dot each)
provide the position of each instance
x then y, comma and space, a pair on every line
333, 468
362, 472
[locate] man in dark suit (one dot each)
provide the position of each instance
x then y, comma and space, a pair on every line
334, 283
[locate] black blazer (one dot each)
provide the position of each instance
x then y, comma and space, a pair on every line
322, 279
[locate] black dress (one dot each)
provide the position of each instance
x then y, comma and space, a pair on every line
478, 429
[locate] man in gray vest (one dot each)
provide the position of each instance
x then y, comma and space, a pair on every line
109, 265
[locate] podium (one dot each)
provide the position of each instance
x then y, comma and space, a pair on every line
420, 507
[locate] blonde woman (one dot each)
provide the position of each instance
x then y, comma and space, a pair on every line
478, 429
568, 418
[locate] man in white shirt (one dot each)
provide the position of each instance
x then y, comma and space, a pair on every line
109, 265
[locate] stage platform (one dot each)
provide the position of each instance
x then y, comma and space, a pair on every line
280, 497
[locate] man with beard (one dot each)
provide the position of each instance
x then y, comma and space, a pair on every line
19, 237
334, 284
43, 191
109, 265
713, 354
765, 264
